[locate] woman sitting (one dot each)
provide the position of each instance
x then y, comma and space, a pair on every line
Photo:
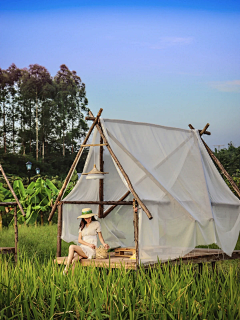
88, 230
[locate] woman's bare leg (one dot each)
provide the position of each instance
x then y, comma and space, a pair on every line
72, 249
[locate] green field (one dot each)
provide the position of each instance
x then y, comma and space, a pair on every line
36, 289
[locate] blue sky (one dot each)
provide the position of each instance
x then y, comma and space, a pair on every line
165, 62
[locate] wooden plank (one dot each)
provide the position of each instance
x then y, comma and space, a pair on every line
195, 256
121, 203
114, 206
4, 250
73, 166
6, 204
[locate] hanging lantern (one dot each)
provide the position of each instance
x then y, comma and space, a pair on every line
94, 174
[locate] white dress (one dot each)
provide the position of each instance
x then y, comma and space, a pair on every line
89, 234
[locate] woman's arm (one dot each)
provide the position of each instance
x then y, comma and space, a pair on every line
102, 241
84, 242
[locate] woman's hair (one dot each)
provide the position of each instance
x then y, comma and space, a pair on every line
83, 223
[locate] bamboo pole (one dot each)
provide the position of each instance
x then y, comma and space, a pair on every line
59, 234
106, 213
94, 145
0, 220
73, 166
135, 221
117, 203
145, 209
11, 189
204, 129
101, 183
221, 167
16, 232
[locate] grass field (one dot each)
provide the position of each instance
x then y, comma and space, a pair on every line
36, 289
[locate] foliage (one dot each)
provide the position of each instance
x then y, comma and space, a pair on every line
36, 290
34, 241
230, 159
36, 198
41, 114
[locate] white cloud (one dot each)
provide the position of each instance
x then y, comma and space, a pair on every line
166, 42
226, 86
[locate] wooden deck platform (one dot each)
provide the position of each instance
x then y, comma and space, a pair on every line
7, 250
195, 256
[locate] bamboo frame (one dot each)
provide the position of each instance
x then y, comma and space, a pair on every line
94, 145
106, 213
16, 232
120, 203
101, 183
73, 166
12, 191
221, 167
59, 234
135, 221
145, 209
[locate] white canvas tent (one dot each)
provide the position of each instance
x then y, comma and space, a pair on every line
173, 176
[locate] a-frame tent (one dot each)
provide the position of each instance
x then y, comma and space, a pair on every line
183, 200
14, 205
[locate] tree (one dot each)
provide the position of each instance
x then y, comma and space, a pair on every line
35, 86
71, 102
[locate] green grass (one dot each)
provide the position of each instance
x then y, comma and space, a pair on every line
34, 241
35, 287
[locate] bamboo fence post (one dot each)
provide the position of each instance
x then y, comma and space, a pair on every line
59, 234
135, 221
0, 220
145, 209
12, 191
114, 206
75, 162
101, 183
221, 167
16, 232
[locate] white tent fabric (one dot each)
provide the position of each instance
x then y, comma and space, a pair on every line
174, 176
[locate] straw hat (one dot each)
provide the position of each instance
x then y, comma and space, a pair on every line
87, 213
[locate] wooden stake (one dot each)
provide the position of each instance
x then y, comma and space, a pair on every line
101, 195
135, 221
59, 234
11, 189
16, 232
114, 206
145, 209
224, 171
73, 166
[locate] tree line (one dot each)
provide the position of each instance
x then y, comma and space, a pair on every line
41, 114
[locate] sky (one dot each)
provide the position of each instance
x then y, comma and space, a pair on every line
165, 62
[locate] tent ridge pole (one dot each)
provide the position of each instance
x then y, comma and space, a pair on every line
74, 165
145, 209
